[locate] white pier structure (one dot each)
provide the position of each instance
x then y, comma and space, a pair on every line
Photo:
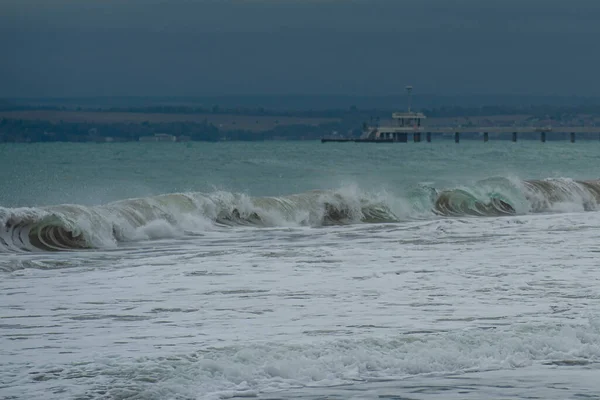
413, 123
404, 123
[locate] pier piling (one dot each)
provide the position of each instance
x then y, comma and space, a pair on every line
402, 133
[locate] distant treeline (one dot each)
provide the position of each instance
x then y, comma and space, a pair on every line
216, 110
14, 130
439, 112
551, 112
313, 101
353, 112
349, 122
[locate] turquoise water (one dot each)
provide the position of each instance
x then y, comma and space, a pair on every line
43, 174
300, 270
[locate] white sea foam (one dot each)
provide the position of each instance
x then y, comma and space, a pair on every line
251, 370
257, 310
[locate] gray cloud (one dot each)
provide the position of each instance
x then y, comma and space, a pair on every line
152, 47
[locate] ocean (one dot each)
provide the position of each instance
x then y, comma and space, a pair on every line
280, 270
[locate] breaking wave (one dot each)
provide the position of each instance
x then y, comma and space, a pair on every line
69, 227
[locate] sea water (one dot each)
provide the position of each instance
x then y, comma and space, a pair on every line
300, 270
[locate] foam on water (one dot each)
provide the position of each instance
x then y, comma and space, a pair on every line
248, 371
195, 317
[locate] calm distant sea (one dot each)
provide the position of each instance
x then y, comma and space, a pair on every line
300, 270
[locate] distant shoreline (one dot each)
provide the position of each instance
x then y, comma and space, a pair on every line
22, 123
225, 122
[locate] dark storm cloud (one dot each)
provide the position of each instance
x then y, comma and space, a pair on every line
195, 47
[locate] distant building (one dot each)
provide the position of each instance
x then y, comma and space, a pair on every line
403, 124
158, 137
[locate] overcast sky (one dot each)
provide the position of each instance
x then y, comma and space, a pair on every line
358, 47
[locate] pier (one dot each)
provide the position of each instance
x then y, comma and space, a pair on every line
410, 124
512, 133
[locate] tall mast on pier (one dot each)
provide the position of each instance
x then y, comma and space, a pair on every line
409, 91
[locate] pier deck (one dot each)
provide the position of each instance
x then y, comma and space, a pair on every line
515, 131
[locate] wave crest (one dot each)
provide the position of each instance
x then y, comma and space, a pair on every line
70, 227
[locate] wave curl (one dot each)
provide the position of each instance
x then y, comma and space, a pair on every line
72, 227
